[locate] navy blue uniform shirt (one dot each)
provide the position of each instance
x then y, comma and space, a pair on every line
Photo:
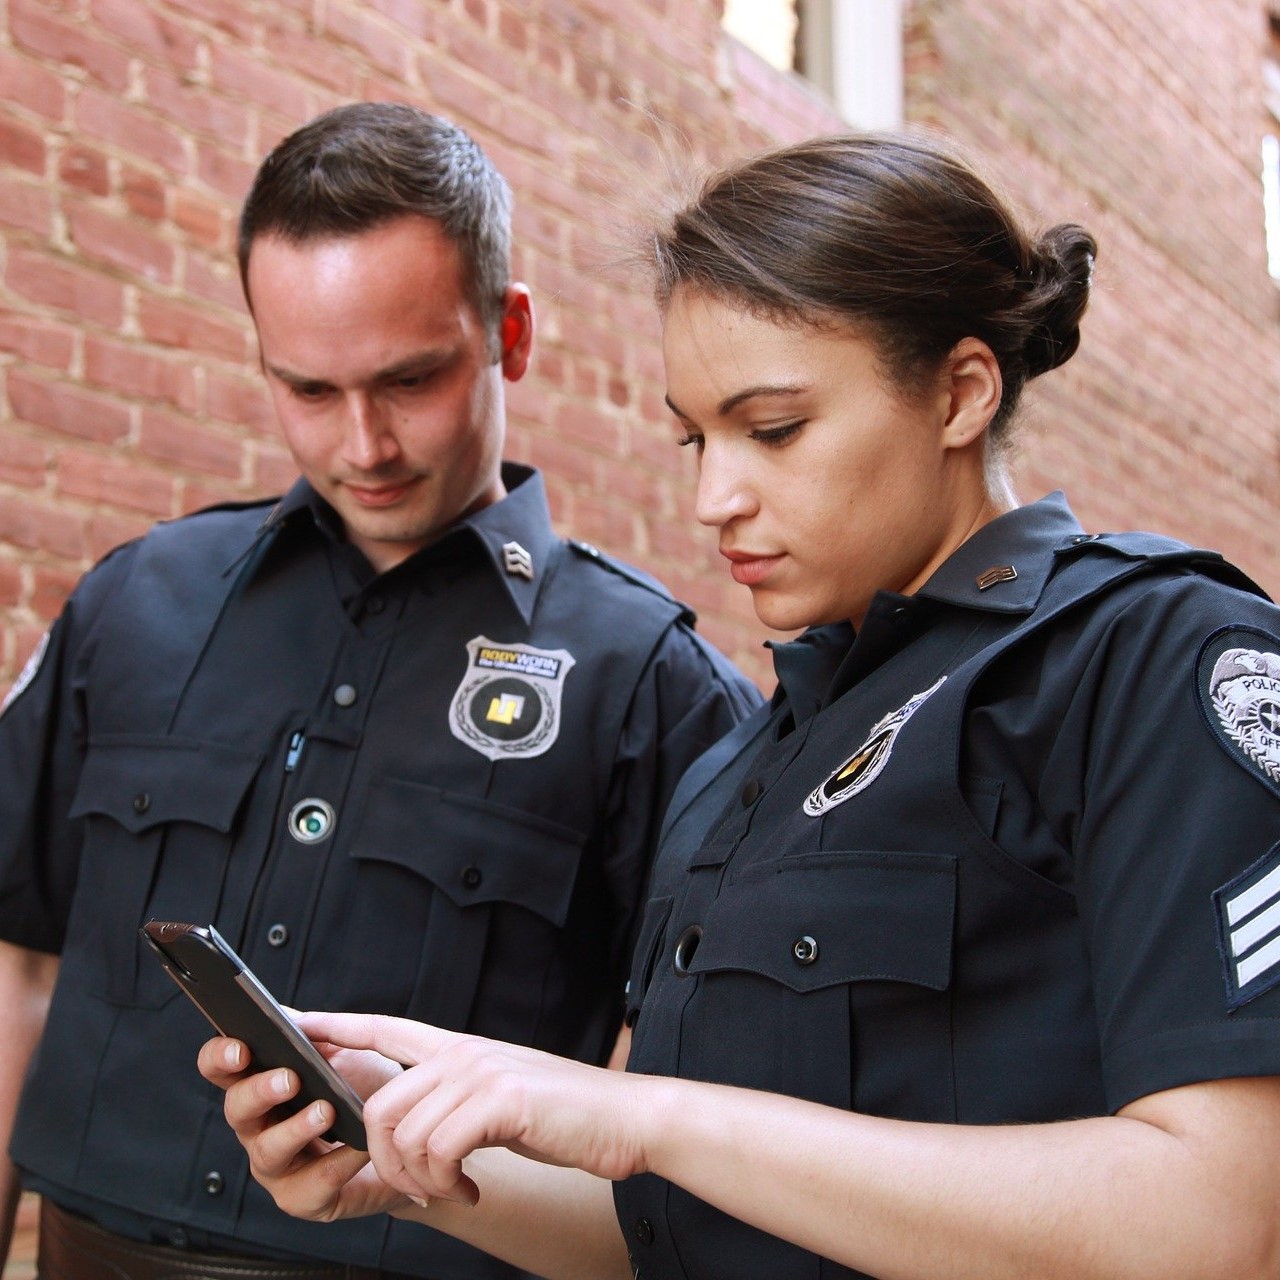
431, 792
1009, 855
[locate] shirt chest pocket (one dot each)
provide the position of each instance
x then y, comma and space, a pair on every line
827, 976
449, 891
159, 819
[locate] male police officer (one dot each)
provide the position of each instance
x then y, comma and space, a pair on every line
404, 746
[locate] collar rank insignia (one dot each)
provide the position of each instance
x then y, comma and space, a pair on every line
862, 768
518, 562
507, 706
1238, 682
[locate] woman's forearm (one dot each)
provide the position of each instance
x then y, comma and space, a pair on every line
1183, 1184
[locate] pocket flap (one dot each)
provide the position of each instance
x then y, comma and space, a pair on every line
472, 850
144, 782
833, 918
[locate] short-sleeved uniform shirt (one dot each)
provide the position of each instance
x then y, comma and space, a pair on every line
431, 792
1010, 854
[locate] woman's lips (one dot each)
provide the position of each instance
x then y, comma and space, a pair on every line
748, 568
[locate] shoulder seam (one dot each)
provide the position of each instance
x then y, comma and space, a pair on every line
635, 577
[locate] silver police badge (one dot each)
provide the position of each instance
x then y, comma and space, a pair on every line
1239, 685
508, 704
866, 764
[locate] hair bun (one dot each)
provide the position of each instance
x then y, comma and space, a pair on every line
1061, 269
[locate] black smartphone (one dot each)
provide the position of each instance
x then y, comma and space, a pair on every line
202, 963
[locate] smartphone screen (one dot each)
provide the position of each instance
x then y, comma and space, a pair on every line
202, 963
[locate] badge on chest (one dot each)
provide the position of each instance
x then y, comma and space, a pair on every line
507, 706
865, 765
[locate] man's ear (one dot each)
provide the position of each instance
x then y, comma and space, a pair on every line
972, 389
515, 332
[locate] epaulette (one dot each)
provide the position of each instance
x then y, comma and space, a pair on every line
248, 539
1157, 549
637, 577
247, 504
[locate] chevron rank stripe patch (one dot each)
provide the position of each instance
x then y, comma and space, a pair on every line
1248, 909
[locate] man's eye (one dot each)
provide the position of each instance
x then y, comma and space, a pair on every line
308, 390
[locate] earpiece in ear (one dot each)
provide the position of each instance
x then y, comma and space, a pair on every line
511, 330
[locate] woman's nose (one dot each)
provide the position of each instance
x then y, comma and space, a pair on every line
724, 491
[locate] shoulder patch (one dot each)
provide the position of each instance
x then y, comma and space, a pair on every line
1248, 918
1238, 685
27, 674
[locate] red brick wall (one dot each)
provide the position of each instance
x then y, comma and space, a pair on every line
130, 128
1141, 120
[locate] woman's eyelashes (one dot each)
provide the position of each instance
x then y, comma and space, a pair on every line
778, 435
773, 436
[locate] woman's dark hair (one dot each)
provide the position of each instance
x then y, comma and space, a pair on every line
895, 235
367, 163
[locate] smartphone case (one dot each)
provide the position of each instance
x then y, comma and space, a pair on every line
222, 986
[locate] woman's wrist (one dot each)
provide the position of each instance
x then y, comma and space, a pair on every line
662, 1110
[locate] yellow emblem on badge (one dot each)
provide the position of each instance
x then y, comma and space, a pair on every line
507, 705
505, 709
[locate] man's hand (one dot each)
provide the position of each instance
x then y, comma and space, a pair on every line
305, 1175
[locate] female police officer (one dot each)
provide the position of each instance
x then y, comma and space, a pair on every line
963, 959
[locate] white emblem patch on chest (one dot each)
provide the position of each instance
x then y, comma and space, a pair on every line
507, 706
866, 764
1245, 690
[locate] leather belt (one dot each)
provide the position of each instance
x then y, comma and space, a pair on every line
73, 1248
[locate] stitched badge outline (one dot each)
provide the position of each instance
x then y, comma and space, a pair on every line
866, 764
507, 705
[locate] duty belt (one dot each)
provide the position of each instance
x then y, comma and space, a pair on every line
73, 1248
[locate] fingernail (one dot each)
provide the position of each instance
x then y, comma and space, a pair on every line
280, 1083
232, 1055
422, 1204
316, 1115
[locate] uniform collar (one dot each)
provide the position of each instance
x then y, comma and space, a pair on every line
1003, 568
1014, 555
517, 535
515, 532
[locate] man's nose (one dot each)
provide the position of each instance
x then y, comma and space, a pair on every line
367, 443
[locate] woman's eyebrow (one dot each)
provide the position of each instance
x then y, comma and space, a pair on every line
730, 403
